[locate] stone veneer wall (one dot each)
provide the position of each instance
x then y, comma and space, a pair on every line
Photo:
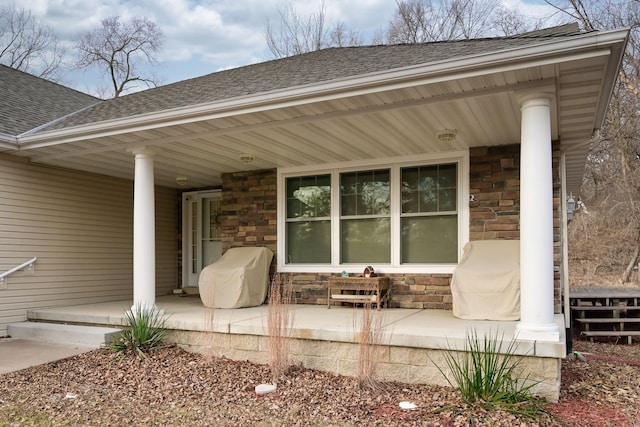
494, 183
407, 290
249, 219
249, 204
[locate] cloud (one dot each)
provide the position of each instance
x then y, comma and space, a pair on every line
534, 8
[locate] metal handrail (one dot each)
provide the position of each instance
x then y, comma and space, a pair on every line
28, 263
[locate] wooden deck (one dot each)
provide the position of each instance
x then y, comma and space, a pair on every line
610, 312
604, 292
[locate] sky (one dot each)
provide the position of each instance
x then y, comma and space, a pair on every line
204, 36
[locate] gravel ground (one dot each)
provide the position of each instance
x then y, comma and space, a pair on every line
173, 387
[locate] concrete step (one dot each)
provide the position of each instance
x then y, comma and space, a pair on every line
89, 336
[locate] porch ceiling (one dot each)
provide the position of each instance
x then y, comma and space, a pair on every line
350, 124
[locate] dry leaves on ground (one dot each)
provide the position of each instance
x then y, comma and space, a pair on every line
604, 389
174, 387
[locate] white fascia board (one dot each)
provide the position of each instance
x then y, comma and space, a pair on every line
611, 74
8, 142
547, 52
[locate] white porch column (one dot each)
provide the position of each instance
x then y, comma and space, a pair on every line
536, 222
144, 230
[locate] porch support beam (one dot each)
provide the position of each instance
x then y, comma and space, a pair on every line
144, 230
536, 222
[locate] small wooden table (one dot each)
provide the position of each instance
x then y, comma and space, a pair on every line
365, 290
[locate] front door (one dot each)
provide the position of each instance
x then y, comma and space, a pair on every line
201, 236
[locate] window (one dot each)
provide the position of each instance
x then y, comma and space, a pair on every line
365, 217
429, 216
308, 233
402, 216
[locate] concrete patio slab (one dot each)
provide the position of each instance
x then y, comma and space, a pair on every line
17, 354
410, 340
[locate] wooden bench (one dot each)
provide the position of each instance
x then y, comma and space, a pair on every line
373, 290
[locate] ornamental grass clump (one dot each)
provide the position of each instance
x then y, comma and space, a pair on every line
279, 324
486, 376
145, 330
370, 350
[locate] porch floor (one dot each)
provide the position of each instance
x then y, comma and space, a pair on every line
413, 328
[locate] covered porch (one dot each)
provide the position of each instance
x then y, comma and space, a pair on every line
486, 138
410, 341
394, 112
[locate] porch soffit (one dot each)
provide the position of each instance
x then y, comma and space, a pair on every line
392, 122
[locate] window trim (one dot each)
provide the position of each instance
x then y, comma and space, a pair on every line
394, 164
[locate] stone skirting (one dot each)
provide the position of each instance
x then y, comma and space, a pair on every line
410, 341
393, 363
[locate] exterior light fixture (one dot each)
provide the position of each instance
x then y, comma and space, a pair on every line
446, 135
571, 207
246, 158
182, 181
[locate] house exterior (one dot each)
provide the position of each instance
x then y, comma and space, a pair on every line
391, 156
77, 224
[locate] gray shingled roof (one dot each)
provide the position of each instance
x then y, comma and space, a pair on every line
314, 67
27, 101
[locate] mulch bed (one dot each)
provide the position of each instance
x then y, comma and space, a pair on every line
173, 387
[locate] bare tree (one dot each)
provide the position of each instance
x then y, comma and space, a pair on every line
473, 18
419, 21
508, 22
341, 36
295, 33
415, 21
578, 12
119, 49
612, 179
27, 45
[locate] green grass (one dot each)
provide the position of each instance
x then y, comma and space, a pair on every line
145, 330
17, 414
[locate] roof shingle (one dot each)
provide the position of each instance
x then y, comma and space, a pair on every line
27, 101
310, 68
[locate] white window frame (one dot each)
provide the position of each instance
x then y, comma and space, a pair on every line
461, 158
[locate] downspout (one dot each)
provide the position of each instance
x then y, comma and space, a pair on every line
564, 268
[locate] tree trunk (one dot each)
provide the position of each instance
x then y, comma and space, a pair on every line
632, 263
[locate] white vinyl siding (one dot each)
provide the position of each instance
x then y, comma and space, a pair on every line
80, 226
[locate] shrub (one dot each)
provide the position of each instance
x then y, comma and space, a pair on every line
145, 330
486, 376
